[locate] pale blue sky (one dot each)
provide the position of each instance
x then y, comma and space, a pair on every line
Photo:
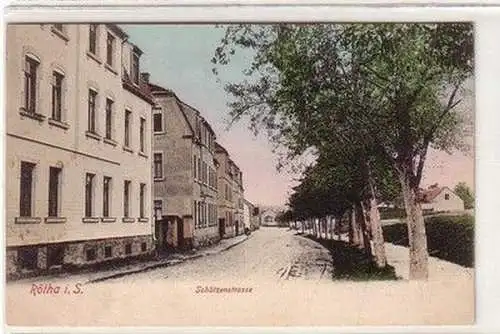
178, 57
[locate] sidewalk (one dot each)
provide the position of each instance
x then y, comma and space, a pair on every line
170, 260
399, 258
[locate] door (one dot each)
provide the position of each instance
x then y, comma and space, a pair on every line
222, 227
180, 233
237, 227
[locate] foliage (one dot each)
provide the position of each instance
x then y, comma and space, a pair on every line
450, 238
465, 193
381, 93
392, 213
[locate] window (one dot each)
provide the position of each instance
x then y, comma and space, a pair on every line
142, 193
55, 255
109, 118
200, 218
30, 83
126, 198
195, 167
28, 258
110, 45
106, 198
199, 170
157, 121
91, 254
204, 172
158, 206
108, 251
54, 184
144, 247
135, 68
93, 38
128, 248
205, 214
195, 216
26, 193
91, 112
446, 196
142, 131
57, 82
128, 115
89, 194
158, 165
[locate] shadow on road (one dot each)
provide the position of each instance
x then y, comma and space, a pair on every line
351, 263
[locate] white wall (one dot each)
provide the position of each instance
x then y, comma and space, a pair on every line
48, 145
440, 203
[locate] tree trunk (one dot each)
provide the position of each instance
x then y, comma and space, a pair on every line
318, 227
376, 229
354, 230
377, 234
363, 230
419, 257
331, 222
338, 225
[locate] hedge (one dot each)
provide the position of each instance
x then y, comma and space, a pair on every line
450, 238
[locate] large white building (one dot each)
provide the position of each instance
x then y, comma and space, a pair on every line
78, 147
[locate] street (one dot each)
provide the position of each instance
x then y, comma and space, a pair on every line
275, 271
269, 254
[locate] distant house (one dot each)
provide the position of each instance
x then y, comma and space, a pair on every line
268, 218
440, 199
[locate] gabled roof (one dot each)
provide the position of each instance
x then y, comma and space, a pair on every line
429, 194
161, 91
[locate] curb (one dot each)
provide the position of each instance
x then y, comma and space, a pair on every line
161, 264
236, 243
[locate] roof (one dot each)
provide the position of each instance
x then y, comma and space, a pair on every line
136, 49
155, 89
220, 148
117, 30
429, 194
159, 90
143, 91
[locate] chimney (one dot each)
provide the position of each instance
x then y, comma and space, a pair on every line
145, 77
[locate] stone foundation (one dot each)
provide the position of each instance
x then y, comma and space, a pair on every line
74, 255
206, 237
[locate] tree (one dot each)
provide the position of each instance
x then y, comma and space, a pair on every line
396, 85
465, 193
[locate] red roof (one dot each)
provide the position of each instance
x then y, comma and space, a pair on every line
429, 194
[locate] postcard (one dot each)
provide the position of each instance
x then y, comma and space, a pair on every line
239, 174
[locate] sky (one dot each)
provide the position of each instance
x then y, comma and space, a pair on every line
178, 57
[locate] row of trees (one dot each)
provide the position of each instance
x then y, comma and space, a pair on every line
367, 99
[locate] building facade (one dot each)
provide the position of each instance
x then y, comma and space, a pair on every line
238, 198
440, 199
78, 148
251, 216
268, 218
185, 174
226, 207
